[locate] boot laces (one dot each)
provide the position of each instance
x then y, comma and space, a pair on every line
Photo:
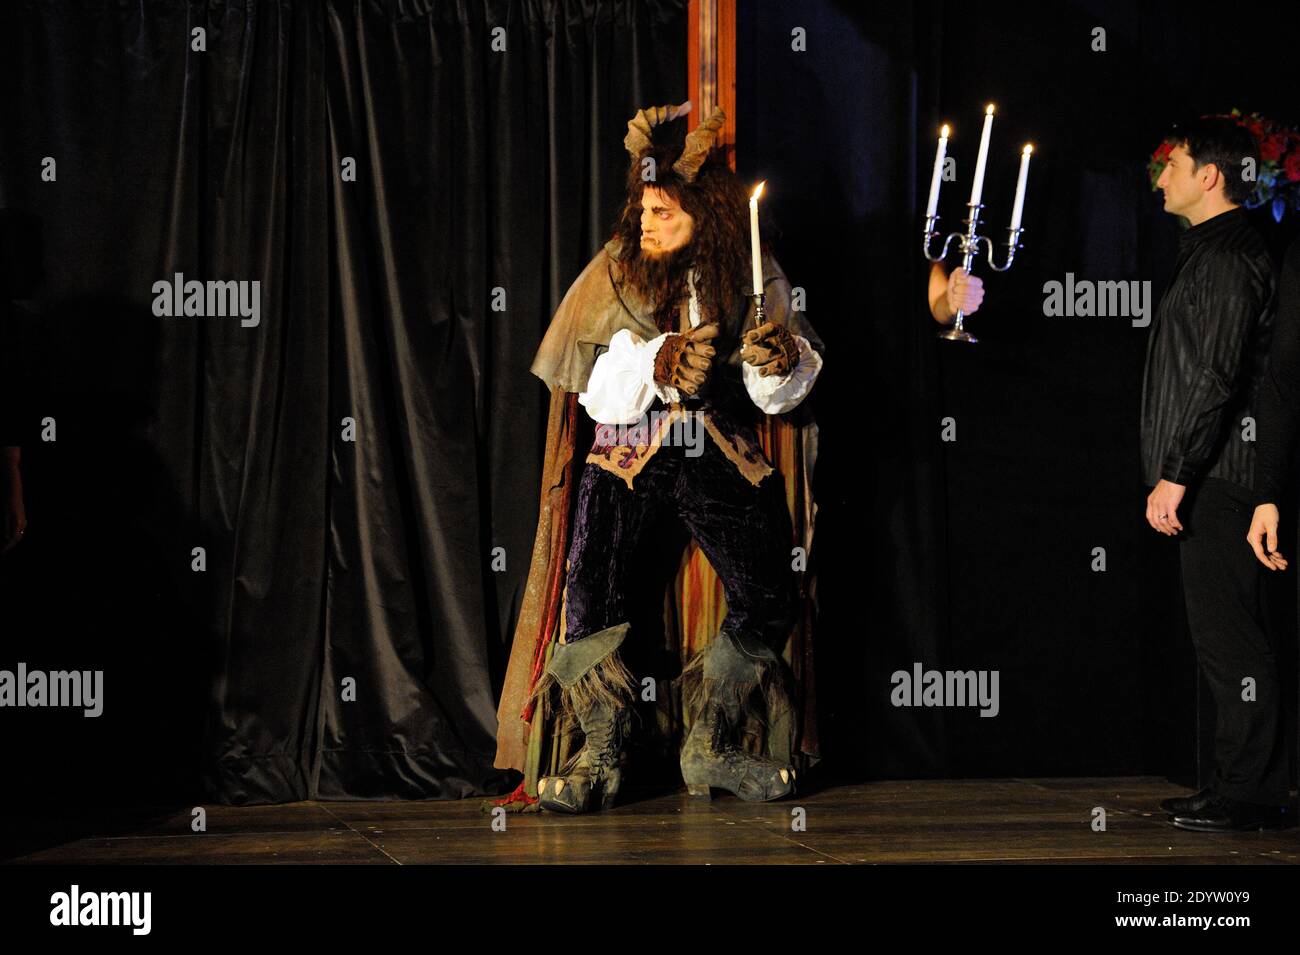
603, 745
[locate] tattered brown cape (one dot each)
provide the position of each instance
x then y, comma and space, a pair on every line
596, 306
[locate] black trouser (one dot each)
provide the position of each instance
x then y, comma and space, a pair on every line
1223, 586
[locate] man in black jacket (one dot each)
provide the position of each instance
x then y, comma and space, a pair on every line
1205, 357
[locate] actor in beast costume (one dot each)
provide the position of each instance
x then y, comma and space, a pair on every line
657, 333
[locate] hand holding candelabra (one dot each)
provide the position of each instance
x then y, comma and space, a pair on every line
969, 241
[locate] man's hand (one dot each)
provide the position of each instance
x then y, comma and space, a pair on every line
771, 349
965, 293
684, 359
1162, 507
1262, 537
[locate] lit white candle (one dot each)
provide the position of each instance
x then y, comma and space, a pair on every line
935, 177
1019, 207
753, 238
977, 190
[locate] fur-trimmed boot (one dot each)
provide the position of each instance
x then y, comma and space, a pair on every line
718, 691
598, 691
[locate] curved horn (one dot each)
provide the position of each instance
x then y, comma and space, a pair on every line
640, 126
698, 143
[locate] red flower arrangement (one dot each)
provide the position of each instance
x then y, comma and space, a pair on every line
1277, 181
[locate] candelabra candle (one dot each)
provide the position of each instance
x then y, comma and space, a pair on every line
936, 175
982, 160
1018, 209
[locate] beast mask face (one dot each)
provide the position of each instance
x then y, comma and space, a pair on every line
658, 269
685, 209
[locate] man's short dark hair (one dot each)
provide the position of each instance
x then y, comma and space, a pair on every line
1223, 141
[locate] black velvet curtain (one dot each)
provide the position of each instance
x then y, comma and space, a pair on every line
296, 548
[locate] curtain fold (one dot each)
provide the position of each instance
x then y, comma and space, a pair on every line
413, 186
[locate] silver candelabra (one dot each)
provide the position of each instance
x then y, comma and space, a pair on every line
969, 243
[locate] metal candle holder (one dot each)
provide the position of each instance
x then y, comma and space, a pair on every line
759, 314
969, 242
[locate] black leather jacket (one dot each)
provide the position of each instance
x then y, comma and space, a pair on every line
1206, 355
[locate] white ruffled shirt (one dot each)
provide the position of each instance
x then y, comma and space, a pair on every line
622, 386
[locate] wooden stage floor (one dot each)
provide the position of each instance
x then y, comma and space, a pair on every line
931, 821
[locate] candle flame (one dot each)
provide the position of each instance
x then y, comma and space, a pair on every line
1029, 148
989, 111
944, 132
758, 191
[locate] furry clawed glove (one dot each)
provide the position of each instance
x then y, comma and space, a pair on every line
771, 348
684, 360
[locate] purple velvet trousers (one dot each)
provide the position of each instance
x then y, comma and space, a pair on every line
743, 529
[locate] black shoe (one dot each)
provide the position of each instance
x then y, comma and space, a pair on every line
1221, 814
1181, 805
